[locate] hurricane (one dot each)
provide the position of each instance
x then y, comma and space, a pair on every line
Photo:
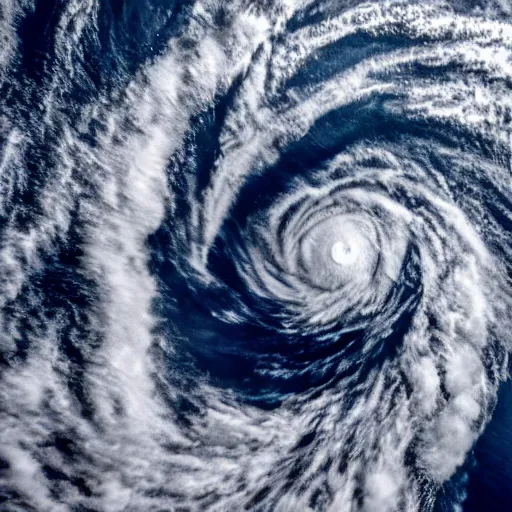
255, 255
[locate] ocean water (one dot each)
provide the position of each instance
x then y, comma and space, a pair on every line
255, 255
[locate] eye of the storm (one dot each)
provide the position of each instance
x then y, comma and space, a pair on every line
339, 250
343, 252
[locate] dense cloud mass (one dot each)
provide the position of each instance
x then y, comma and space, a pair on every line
254, 255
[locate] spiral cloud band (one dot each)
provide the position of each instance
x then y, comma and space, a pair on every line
254, 255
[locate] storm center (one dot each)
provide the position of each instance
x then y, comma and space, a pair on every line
343, 253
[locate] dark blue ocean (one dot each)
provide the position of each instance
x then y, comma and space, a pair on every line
255, 255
